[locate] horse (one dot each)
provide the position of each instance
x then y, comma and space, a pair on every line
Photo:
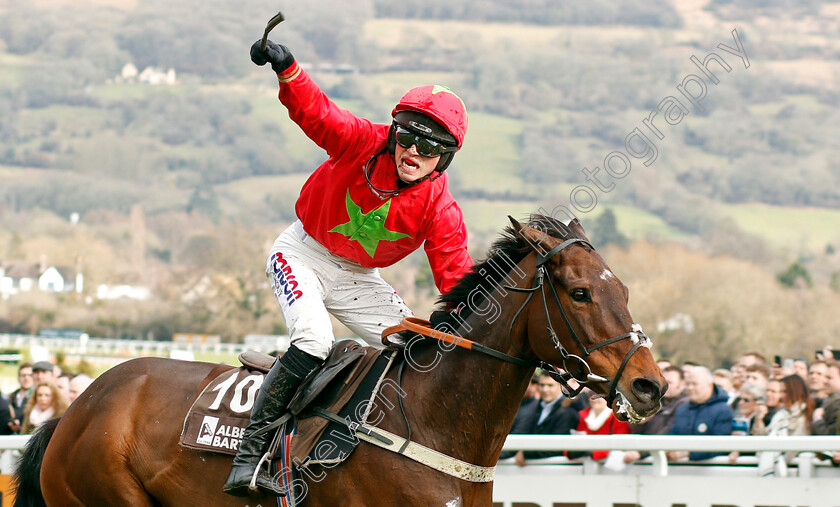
542, 297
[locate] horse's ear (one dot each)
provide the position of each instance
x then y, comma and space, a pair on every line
577, 228
538, 239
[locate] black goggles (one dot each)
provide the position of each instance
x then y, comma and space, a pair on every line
425, 146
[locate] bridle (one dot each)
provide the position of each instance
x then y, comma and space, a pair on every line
581, 372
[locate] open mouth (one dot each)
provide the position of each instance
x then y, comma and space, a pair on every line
410, 164
624, 408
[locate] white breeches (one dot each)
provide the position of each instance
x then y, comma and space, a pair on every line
310, 283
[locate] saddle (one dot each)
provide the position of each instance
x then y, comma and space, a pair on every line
341, 393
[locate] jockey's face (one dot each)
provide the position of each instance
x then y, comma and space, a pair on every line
411, 166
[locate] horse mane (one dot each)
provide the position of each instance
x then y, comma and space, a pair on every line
504, 254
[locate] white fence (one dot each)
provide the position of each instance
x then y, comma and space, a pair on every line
654, 482
113, 346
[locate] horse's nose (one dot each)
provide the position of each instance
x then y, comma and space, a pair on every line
646, 389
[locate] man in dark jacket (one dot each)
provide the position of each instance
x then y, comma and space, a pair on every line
19, 397
547, 417
706, 413
826, 420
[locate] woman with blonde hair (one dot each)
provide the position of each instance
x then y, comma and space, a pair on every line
45, 403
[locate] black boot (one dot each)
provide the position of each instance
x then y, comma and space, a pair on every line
278, 388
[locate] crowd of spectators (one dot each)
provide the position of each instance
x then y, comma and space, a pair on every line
44, 392
753, 397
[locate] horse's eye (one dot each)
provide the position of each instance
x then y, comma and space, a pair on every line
581, 295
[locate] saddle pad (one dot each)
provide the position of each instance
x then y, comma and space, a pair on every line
221, 412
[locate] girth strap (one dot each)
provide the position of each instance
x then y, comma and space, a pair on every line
419, 453
432, 458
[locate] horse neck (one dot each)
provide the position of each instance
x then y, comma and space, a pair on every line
469, 399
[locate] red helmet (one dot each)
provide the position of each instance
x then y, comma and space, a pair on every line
441, 104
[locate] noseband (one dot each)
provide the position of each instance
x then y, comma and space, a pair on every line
582, 371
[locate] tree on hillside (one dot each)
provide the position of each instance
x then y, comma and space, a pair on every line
795, 272
204, 201
605, 231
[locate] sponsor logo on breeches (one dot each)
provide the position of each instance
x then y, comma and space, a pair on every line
285, 286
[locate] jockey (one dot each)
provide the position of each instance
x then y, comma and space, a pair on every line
380, 195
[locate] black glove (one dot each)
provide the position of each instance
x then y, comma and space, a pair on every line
277, 54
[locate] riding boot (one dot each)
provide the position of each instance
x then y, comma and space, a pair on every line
278, 388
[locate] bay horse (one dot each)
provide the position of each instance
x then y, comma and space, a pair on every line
542, 297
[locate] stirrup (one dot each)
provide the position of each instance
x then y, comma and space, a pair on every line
253, 484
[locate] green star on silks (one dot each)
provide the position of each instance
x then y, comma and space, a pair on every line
367, 228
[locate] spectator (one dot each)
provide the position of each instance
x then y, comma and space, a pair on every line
548, 417
765, 412
46, 403
799, 405
531, 397
7, 426
598, 419
687, 366
738, 376
532, 392
800, 367
20, 396
706, 413
816, 381
723, 379
749, 398
78, 385
791, 418
62, 382
757, 374
825, 417
661, 422
752, 358
43, 371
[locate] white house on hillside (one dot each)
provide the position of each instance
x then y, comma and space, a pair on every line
18, 277
129, 73
25, 277
61, 279
123, 291
150, 75
156, 76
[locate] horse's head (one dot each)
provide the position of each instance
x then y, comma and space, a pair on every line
576, 318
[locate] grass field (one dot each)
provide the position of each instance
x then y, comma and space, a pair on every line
13, 67
809, 228
390, 33
490, 157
